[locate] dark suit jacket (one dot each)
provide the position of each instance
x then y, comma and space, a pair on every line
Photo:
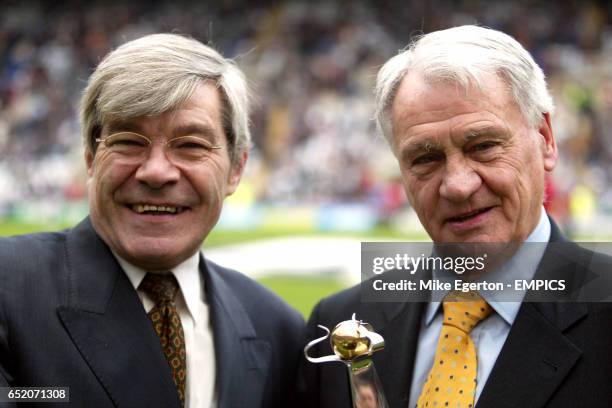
557, 354
69, 316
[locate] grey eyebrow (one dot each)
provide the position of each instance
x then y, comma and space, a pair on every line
116, 127
488, 131
422, 146
190, 129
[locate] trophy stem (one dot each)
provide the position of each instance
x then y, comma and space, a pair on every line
366, 389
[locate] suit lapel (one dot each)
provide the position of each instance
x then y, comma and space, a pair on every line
400, 335
541, 352
242, 358
110, 328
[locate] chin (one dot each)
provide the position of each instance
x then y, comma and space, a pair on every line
156, 262
156, 257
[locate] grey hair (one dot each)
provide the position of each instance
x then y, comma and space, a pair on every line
464, 56
156, 74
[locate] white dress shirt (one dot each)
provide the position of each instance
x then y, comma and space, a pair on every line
490, 335
195, 318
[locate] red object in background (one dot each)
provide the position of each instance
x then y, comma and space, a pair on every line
550, 193
394, 197
556, 203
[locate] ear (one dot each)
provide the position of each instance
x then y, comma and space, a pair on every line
549, 146
89, 159
236, 173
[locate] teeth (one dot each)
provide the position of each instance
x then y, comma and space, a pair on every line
140, 208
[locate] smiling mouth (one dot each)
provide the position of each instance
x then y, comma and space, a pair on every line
469, 216
156, 209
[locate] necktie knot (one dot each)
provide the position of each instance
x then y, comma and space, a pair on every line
160, 287
464, 310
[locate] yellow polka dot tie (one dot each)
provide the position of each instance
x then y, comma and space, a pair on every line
162, 288
452, 379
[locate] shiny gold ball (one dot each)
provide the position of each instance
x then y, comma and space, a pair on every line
349, 340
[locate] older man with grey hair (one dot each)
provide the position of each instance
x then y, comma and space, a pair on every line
123, 309
467, 113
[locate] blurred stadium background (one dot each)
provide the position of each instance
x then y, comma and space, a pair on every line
319, 179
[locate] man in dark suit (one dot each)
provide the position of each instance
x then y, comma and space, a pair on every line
124, 309
467, 113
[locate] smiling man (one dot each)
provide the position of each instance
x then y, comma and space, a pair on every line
472, 166
467, 113
124, 309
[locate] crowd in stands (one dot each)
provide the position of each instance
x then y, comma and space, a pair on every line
312, 67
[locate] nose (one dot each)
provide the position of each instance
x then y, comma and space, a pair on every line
460, 180
157, 171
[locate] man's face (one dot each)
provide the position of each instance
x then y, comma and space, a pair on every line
191, 195
472, 167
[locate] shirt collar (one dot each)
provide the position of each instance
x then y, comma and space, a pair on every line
522, 265
186, 273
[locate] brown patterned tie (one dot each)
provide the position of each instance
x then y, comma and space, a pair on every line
162, 289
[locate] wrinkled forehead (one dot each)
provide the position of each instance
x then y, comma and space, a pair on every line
420, 94
425, 107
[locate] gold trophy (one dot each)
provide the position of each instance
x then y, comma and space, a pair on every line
354, 342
